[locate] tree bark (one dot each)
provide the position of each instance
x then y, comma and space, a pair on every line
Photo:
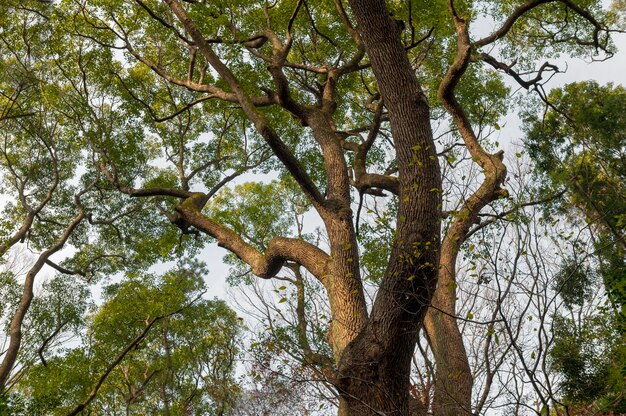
453, 378
374, 369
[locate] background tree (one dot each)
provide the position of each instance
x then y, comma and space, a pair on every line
578, 143
182, 362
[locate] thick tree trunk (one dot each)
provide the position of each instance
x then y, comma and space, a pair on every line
374, 369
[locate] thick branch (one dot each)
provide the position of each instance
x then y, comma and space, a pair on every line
264, 265
510, 21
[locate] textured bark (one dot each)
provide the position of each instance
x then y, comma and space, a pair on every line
374, 368
345, 290
264, 265
453, 380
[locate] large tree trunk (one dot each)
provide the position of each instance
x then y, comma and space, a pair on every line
374, 369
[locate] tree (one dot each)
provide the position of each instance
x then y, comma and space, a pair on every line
335, 101
586, 154
35, 167
578, 144
45, 208
182, 362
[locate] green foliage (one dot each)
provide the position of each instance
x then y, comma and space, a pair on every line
573, 282
579, 144
591, 356
255, 210
56, 314
10, 293
185, 363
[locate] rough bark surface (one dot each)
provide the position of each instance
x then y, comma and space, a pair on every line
374, 368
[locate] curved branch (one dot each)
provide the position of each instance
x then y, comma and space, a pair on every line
265, 265
495, 171
546, 66
15, 330
363, 180
441, 326
524, 8
197, 87
510, 21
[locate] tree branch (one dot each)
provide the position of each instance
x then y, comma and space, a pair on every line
514, 209
265, 265
272, 138
509, 22
111, 367
15, 329
516, 76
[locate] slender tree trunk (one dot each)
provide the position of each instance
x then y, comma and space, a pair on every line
15, 328
453, 378
374, 369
